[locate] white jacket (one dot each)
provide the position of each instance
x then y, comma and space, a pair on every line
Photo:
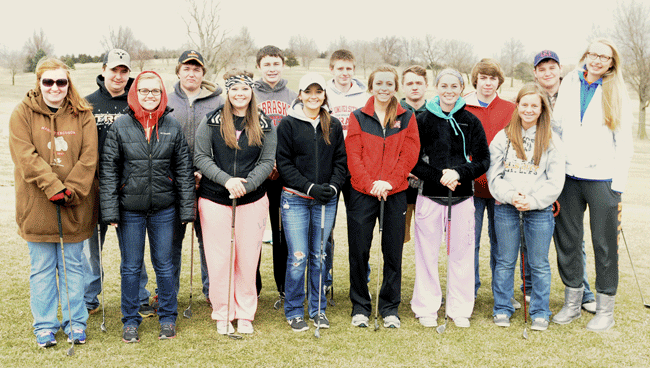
593, 151
509, 174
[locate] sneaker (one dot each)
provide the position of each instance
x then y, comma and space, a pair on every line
298, 324
359, 320
167, 331
391, 321
320, 319
45, 339
589, 306
93, 310
79, 336
154, 303
515, 303
244, 326
130, 334
224, 328
146, 311
461, 322
539, 324
428, 321
502, 320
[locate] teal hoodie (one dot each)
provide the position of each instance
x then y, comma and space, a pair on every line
433, 105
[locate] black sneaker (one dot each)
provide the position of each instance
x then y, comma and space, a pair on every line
298, 324
320, 319
167, 331
147, 311
130, 334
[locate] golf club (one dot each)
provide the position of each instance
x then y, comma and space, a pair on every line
440, 329
634, 271
320, 269
100, 244
523, 269
70, 351
188, 312
331, 300
381, 241
278, 303
232, 258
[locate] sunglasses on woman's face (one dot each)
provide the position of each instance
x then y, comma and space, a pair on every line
47, 82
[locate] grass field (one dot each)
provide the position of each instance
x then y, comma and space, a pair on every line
275, 345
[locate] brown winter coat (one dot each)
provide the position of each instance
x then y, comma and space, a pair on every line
41, 172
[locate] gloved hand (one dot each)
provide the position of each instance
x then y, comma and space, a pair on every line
59, 198
321, 192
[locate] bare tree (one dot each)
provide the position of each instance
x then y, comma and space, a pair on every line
512, 54
140, 53
238, 49
632, 36
122, 39
458, 55
38, 41
390, 49
341, 43
205, 33
366, 55
304, 48
431, 51
14, 61
412, 50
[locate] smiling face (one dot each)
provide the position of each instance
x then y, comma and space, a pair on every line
415, 86
384, 87
547, 73
115, 79
312, 98
596, 67
449, 90
271, 68
239, 96
529, 109
151, 99
343, 72
54, 95
191, 77
486, 87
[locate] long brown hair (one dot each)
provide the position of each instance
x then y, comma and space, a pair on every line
613, 85
77, 103
391, 111
251, 119
324, 116
543, 132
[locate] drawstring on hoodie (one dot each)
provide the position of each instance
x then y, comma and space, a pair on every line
433, 105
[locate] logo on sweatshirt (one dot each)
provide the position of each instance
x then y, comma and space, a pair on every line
275, 110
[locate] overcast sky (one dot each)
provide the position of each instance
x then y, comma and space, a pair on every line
78, 26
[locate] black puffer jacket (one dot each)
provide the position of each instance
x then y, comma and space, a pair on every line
136, 175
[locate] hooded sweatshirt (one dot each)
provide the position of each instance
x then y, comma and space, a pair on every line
303, 157
274, 101
509, 175
190, 113
52, 151
494, 118
107, 108
452, 140
342, 104
148, 119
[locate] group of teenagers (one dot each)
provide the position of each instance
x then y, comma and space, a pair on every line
147, 162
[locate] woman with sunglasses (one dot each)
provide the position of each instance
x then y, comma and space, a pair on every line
593, 116
145, 176
53, 143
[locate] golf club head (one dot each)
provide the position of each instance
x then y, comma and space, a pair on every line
277, 303
646, 305
70, 351
103, 327
187, 313
234, 337
376, 325
525, 333
440, 329
317, 333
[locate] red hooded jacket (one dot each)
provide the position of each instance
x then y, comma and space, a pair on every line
148, 119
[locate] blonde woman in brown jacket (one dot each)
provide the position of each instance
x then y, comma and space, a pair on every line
53, 143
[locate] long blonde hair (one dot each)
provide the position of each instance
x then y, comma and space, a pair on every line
613, 85
77, 103
542, 134
251, 119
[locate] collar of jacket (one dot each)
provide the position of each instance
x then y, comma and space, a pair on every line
369, 108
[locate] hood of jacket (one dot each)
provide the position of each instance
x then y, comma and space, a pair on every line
148, 119
208, 89
357, 88
266, 88
297, 112
101, 83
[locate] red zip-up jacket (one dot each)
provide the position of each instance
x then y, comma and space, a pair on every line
373, 156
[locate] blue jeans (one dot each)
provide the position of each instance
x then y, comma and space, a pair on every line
301, 222
46, 262
538, 231
480, 205
92, 267
131, 232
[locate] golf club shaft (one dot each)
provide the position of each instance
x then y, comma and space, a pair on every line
65, 276
232, 256
100, 245
320, 268
522, 246
634, 270
379, 250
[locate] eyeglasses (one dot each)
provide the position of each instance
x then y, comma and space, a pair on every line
47, 82
603, 58
145, 92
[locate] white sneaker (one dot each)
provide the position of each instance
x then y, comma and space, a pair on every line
391, 321
502, 320
428, 321
461, 322
244, 326
359, 320
224, 328
515, 303
539, 324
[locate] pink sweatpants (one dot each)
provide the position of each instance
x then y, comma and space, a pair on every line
430, 225
250, 222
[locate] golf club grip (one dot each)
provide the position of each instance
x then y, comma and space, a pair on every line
381, 215
58, 216
449, 205
322, 218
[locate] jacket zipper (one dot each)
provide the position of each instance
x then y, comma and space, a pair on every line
316, 153
150, 166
